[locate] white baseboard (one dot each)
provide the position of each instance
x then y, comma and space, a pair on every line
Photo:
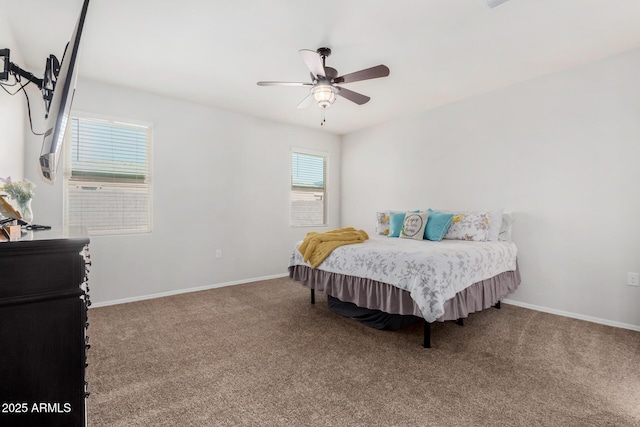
277, 276
573, 315
184, 291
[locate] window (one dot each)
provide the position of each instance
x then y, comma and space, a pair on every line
107, 180
308, 189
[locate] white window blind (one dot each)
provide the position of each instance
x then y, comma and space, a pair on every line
108, 177
308, 189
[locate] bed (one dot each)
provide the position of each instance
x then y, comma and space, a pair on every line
432, 280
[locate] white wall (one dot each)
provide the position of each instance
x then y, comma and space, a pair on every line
562, 152
13, 113
220, 181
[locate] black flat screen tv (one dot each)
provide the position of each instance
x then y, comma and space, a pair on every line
59, 107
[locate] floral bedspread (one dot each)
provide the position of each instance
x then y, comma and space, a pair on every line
432, 272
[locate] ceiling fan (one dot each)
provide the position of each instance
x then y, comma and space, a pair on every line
324, 80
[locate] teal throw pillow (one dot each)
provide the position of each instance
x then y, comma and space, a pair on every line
396, 219
438, 224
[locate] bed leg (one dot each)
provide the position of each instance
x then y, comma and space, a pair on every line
313, 296
460, 322
497, 305
427, 335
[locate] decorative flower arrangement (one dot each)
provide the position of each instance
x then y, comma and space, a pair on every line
20, 191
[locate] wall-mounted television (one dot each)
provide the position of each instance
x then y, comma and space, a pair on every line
58, 87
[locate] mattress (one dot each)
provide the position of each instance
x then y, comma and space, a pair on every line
430, 272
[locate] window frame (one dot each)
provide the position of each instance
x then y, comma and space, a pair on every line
325, 201
90, 181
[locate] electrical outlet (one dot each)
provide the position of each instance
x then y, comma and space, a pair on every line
633, 279
218, 253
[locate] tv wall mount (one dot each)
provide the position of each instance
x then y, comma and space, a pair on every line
46, 84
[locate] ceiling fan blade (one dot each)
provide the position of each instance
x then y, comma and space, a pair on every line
369, 73
284, 84
352, 96
306, 103
313, 61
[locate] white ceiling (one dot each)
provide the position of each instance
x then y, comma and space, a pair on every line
214, 51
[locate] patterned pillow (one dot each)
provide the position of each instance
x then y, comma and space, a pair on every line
382, 223
413, 225
469, 226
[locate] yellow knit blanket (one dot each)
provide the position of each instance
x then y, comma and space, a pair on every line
317, 246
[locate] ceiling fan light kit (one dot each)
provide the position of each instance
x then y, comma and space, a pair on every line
325, 80
325, 95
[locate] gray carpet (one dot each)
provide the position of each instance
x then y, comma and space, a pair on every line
259, 354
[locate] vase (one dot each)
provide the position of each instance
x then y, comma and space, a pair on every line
25, 211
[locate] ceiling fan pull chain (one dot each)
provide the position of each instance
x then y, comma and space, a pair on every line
323, 119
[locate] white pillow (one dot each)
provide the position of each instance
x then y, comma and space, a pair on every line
413, 225
505, 227
495, 223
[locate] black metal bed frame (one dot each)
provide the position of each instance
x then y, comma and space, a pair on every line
427, 326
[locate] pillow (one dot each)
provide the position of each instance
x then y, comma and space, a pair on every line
395, 223
505, 227
382, 223
469, 226
413, 225
437, 225
495, 222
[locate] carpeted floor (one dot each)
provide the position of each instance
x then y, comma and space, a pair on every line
260, 354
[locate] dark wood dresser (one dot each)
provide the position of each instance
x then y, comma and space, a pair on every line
43, 320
